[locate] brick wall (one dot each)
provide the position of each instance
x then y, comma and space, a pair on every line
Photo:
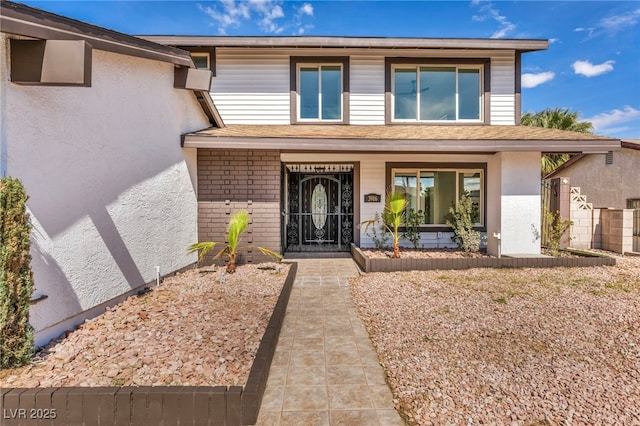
607, 229
231, 180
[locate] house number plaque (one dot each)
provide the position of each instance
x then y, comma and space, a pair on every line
372, 198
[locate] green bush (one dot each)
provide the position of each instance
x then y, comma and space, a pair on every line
554, 231
16, 277
461, 219
412, 225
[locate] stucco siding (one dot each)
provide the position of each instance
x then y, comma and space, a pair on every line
607, 185
520, 202
111, 191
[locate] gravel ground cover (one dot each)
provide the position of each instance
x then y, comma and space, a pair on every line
191, 330
554, 346
408, 253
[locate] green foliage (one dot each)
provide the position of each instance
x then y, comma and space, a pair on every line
392, 219
461, 219
559, 118
16, 277
238, 223
378, 232
554, 230
413, 221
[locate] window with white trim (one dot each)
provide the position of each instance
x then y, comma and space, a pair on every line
437, 93
320, 92
431, 192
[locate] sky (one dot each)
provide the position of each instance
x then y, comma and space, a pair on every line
592, 65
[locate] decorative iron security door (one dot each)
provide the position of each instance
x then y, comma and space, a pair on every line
319, 215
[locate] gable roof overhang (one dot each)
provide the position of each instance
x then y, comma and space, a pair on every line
399, 138
522, 45
21, 20
633, 144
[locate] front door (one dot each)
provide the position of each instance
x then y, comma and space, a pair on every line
319, 207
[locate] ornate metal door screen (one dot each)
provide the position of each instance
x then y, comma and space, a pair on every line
319, 209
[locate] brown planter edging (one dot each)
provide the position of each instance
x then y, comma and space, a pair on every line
368, 264
152, 405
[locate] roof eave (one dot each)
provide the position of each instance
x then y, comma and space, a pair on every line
31, 22
195, 140
522, 45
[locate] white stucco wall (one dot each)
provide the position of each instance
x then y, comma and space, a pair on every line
112, 193
514, 210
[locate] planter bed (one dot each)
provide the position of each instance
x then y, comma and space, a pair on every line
140, 403
371, 264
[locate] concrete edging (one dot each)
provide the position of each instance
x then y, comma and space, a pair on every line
368, 264
152, 405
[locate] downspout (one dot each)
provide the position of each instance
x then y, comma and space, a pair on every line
3, 108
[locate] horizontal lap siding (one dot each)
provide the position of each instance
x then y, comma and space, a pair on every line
367, 90
252, 88
503, 88
252, 85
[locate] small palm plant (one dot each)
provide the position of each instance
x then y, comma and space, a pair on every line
237, 225
392, 218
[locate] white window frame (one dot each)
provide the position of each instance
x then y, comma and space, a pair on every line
202, 55
417, 171
319, 66
417, 67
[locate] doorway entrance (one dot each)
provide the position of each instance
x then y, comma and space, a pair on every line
318, 209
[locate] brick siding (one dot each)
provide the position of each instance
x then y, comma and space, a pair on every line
232, 180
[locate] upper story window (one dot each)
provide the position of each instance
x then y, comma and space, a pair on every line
319, 90
201, 60
437, 91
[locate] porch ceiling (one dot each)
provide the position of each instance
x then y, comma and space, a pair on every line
399, 138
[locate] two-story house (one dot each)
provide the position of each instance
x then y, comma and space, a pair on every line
129, 153
317, 129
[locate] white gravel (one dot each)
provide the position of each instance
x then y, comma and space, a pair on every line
191, 330
512, 346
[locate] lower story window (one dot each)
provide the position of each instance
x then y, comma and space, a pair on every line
431, 192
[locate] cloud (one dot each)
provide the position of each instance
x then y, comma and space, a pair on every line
612, 24
306, 9
605, 120
488, 12
530, 80
588, 69
231, 14
617, 23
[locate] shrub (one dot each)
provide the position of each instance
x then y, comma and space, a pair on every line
555, 229
461, 219
16, 277
378, 232
413, 221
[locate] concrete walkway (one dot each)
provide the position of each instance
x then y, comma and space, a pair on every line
325, 371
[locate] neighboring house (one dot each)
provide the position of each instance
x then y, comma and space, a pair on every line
91, 123
318, 129
610, 180
604, 188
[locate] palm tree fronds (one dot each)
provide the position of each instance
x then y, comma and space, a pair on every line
271, 253
203, 247
237, 225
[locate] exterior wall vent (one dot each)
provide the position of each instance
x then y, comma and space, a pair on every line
608, 158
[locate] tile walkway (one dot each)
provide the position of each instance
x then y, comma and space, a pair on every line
325, 371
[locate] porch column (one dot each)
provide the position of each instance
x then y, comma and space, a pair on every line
513, 203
